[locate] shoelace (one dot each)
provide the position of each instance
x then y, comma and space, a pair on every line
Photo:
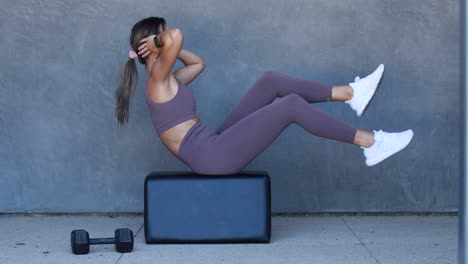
379, 137
356, 93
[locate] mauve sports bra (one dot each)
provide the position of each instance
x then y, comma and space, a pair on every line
168, 114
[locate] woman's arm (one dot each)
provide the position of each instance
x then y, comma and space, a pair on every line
194, 65
173, 41
188, 58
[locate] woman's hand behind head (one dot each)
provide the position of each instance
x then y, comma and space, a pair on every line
147, 47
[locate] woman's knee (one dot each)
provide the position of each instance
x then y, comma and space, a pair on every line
293, 99
266, 83
271, 76
291, 103
268, 74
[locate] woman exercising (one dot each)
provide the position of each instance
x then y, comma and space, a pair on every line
255, 122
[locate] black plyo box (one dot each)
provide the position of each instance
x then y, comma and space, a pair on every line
186, 207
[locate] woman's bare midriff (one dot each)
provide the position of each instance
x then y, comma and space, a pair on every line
172, 138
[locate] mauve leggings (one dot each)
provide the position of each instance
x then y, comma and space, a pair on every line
256, 121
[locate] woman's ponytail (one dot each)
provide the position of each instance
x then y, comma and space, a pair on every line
123, 95
129, 77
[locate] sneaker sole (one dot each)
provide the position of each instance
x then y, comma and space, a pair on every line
388, 154
361, 108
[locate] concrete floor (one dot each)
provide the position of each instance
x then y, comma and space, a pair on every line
297, 239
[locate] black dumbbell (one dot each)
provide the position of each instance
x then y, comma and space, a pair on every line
80, 241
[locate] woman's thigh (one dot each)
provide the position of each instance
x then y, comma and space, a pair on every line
274, 84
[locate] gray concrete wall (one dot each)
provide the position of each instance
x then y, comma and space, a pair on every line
63, 151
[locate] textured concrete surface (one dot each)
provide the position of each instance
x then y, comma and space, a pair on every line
60, 66
298, 239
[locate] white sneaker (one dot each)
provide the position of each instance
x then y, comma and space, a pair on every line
364, 89
386, 144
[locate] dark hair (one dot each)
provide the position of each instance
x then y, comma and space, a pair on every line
129, 77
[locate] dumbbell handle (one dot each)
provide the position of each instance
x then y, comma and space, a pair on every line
95, 241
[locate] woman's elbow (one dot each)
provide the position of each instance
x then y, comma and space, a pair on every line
176, 33
202, 63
